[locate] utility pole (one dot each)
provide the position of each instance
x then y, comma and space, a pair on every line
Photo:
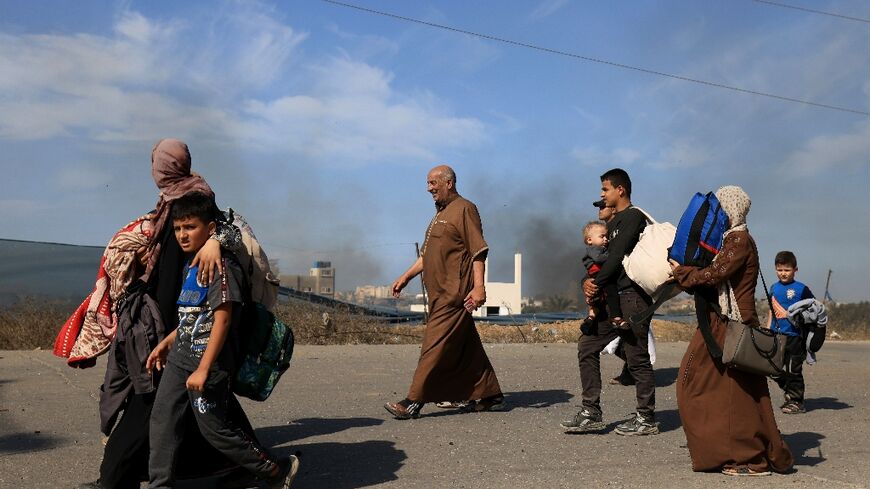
827, 297
423, 288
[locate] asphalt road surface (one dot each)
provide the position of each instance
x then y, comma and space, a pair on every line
328, 407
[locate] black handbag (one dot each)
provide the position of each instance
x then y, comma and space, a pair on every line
753, 349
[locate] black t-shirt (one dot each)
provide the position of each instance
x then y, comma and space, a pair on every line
196, 305
623, 233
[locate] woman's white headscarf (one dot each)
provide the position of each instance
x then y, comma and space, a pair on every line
736, 203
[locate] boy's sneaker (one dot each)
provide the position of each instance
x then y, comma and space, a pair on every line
288, 467
639, 425
584, 421
793, 407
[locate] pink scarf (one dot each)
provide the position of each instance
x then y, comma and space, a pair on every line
170, 167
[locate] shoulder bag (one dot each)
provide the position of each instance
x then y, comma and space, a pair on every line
753, 349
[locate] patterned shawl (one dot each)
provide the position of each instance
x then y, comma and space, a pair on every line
88, 333
735, 202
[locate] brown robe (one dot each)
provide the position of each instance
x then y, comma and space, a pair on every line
453, 365
726, 413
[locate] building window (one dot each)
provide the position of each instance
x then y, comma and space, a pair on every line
326, 273
326, 290
492, 310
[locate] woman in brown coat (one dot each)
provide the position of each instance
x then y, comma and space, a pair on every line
726, 413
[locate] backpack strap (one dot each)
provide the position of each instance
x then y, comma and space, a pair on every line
649, 218
703, 306
664, 296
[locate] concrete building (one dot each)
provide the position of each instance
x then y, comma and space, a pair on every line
502, 298
367, 293
320, 280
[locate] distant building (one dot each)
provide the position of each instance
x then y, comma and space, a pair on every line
502, 298
320, 280
366, 293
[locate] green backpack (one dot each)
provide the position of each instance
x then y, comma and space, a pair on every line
266, 350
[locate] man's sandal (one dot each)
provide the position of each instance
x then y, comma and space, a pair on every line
744, 471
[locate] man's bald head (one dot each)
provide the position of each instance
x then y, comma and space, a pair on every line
441, 183
443, 172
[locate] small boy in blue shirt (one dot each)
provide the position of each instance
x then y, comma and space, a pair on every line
198, 362
783, 294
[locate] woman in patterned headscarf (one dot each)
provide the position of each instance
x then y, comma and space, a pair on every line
156, 259
726, 413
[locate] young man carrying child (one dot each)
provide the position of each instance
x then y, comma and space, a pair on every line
595, 237
783, 294
198, 362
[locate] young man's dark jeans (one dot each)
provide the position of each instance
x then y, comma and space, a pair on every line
636, 354
793, 384
213, 413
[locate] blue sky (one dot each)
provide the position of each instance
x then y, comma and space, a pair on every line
319, 123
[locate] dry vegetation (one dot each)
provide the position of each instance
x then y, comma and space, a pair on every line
32, 324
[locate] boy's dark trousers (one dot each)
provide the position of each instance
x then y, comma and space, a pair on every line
792, 384
636, 352
175, 405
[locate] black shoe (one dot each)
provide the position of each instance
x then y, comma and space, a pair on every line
639, 425
288, 467
584, 421
587, 326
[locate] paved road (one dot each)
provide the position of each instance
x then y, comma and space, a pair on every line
328, 407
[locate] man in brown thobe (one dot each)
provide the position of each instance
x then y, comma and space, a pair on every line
453, 364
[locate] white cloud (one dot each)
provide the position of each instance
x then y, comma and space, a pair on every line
148, 80
547, 8
845, 150
358, 120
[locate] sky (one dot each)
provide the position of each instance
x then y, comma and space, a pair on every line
319, 122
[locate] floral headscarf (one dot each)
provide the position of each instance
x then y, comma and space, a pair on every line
736, 203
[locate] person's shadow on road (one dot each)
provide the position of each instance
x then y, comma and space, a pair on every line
536, 399
829, 403
346, 465
307, 427
802, 443
333, 464
666, 376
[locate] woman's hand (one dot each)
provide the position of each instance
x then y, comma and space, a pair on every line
208, 258
157, 358
674, 264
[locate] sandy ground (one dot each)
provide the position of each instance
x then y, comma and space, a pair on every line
329, 408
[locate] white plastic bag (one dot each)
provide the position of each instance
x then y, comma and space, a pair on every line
647, 265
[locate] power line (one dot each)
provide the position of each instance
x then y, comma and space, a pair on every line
813, 11
598, 60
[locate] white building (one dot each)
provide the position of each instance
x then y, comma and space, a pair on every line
502, 298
